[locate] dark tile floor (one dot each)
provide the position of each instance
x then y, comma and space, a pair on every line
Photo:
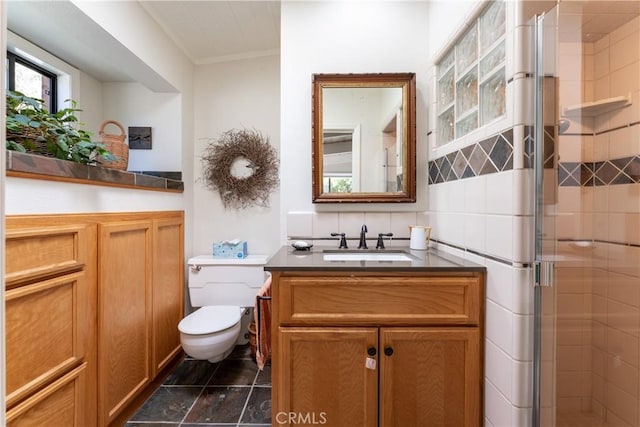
233, 392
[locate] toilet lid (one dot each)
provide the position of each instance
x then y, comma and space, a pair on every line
210, 319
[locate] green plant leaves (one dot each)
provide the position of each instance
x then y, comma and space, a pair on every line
30, 127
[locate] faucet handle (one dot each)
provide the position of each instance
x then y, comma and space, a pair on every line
343, 240
380, 244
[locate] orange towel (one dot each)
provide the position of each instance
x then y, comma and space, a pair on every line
262, 316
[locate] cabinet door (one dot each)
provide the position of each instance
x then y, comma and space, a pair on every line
49, 288
58, 404
430, 377
124, 316
324, 379
168, 290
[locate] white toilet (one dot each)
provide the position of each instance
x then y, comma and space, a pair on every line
224, 290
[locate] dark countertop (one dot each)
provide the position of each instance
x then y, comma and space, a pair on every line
289, 259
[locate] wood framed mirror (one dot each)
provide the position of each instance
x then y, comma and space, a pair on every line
364, 138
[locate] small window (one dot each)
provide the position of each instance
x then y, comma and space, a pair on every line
32, 80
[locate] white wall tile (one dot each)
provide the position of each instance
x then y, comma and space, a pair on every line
500, 284
351, 223
497, 408
522, 417
625, 30
470, 256
623, 116
624, 227
601, 198
625, 142
601, 90
522, 383
499, 326
624, 198
474, 232
451, 196
325, 223
522, 292
400, 222
475, 194
625, 80
518, 146
422, 218
499, 236
522, 337
450, 228
377, 222
299, 224
499, 193
625, 51
523, 111
522, 198
569, 199
601, 62
523, 237
497, 369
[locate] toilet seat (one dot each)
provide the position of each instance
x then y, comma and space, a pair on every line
210, 319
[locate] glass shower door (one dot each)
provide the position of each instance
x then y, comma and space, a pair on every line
587, 215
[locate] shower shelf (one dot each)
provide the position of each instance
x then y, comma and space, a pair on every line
592, 109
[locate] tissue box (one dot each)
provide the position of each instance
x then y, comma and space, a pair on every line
230, 249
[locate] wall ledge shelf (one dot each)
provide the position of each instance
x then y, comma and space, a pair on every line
34, 166
595, 108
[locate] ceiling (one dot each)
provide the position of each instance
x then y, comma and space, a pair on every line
589, 21
215, 31
210, 31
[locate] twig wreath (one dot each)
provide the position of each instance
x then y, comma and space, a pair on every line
220, 157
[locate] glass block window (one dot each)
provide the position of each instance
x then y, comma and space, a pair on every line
471, 87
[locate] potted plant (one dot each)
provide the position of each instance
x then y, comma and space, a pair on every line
31, 128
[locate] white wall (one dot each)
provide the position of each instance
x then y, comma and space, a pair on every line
243, 94
344, 37
169, 114
132, 104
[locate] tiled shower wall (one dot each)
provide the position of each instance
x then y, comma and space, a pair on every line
598, 223
485, 217
480, 207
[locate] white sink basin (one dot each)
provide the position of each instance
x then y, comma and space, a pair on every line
366, 256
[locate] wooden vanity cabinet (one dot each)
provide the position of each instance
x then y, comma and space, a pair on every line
92, 308
50, 333
382, 349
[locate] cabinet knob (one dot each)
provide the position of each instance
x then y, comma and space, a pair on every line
371, 351
388, 351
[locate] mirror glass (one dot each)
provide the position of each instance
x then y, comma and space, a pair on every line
364, 138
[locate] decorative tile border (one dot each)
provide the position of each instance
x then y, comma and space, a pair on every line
609, 172
491, 155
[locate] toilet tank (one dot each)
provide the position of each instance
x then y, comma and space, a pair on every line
226, 281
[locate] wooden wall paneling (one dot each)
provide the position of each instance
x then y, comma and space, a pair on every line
168, 289
124, 314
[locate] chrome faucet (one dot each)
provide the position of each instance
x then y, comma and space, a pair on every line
363, 237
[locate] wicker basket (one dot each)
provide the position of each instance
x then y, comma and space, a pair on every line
116, 145
31, 138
